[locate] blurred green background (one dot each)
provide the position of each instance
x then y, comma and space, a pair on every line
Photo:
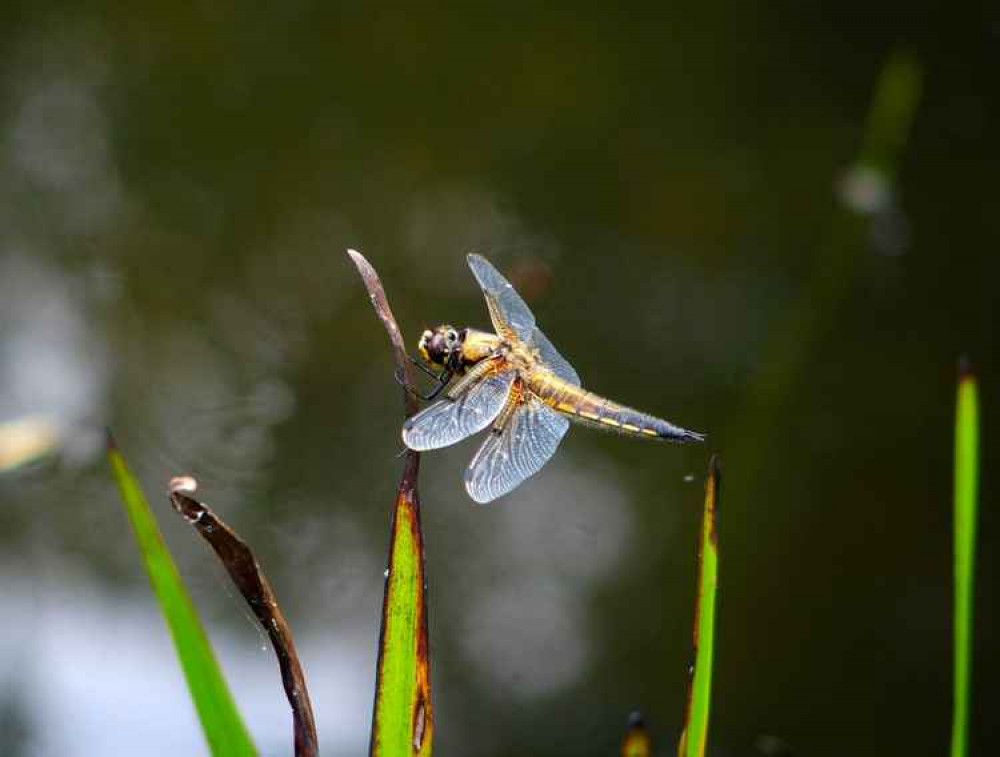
665, 186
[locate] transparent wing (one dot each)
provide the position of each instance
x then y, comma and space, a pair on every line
449, 421
525, 444
508, 311
552, 359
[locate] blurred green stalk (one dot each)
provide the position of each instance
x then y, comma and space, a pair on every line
865, 189
966, 494
897, 94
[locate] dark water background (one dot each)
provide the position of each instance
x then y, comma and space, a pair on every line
177, 187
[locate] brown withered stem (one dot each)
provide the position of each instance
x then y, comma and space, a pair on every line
244, 570
406, 511
377, 295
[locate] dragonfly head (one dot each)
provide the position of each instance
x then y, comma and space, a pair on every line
437, 346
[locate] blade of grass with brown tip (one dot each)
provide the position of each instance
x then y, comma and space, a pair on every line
636, 742
244, 570
403, 722
694, 738
966, 497
224, 728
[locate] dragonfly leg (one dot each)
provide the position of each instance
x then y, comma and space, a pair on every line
425, 369
443, 379
416, 392
434, 393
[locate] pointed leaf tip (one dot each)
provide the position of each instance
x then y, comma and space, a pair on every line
715, 465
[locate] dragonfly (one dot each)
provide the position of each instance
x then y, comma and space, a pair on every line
514, 382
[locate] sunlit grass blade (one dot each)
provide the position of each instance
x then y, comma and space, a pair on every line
636, 742
240, 563
403, 722
695, 735
224, 729
966, 494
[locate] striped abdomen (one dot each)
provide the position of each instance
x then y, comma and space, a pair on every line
593, 410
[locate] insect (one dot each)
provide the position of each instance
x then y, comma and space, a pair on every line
517, 384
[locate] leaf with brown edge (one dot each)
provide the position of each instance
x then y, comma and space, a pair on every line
403, 722
244, 570
695, 734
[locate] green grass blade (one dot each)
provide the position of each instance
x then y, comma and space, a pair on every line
223, 726
966, 494
695, 735
403, 723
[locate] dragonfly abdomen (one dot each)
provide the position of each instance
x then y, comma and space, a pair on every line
593, 410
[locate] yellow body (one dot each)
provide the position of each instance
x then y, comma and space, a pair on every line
478, 345
573, 401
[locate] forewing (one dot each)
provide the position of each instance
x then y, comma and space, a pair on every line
508, 311
449, 421
552, 359
525, 444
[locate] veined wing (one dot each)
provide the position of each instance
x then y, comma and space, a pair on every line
451, 420
527, 441
552, 359
509, 313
